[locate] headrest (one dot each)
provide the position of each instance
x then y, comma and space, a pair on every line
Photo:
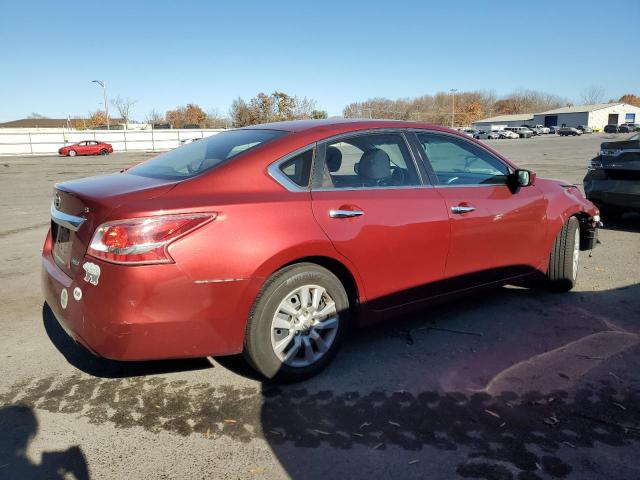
375, 164
333, 159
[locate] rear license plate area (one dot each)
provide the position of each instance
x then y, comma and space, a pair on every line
62, 246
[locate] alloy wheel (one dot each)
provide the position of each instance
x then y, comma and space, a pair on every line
304, 326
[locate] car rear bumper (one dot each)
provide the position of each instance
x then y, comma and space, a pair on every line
148, 312
618, 193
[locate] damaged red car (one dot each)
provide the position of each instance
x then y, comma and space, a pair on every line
272, 240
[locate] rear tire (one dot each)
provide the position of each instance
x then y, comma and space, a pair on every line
288, 337
72, 153
564, 258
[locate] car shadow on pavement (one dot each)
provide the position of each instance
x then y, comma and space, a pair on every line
83, 360
19, 426
511, 384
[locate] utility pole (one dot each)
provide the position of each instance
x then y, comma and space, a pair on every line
453, 106
103, 84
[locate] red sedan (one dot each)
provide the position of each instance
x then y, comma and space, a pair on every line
271, 240
88, 147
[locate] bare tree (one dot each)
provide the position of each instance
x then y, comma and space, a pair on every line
123, 105
592, 94
216, 120
154, 117
37, 115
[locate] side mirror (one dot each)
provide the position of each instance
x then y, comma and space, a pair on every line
520, 178
524, 178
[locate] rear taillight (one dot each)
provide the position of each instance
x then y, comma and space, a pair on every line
594, 164
143, 240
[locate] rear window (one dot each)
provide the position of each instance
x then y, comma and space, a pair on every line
198, 157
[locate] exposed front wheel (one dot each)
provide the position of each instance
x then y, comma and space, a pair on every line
565, 257
72, 153
297, 323
104, 151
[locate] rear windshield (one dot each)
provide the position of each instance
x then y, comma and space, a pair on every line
202, 155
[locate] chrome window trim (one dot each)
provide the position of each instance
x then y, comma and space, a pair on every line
376, 131
278, 175
374, 189
65, 220
447, 134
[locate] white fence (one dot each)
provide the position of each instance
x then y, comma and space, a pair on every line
42, 142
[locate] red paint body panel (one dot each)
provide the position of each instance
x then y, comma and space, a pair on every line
503, 230
406, 241
399, 243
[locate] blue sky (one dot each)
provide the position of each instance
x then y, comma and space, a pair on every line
165, 54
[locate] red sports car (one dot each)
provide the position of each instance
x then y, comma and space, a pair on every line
88, 147
271, 240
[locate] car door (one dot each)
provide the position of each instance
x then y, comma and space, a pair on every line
93, 147
369, 198
496, 232
80, 148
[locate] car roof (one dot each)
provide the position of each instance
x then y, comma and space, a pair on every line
345, 124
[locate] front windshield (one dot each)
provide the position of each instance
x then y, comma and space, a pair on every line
197, 157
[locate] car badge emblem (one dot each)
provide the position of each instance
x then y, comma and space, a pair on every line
57, 201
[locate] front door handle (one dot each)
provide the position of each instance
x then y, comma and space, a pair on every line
345, 213
462, 209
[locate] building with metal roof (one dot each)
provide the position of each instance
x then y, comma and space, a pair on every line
501, 121
595, 116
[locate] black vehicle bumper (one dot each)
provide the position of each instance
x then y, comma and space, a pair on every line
623, 194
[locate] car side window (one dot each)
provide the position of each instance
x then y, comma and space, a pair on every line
298, 168
375, 160
459, 162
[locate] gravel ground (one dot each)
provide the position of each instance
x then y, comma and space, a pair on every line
509, 384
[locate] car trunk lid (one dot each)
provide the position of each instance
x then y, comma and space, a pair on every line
80, 206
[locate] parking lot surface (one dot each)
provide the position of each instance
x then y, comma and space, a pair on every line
508, 384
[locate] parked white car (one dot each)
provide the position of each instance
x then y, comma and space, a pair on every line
543, 129
470, 132
522, 132
507, 134
484, 135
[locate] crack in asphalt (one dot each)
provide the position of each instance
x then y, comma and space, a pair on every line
498, 431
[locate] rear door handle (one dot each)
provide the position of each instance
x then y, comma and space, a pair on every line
462, 209
345, 213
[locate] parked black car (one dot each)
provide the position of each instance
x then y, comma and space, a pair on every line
613, 178
627, 128
565, 131
611, 129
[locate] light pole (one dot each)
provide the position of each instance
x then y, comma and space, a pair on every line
103, 84
453, 106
